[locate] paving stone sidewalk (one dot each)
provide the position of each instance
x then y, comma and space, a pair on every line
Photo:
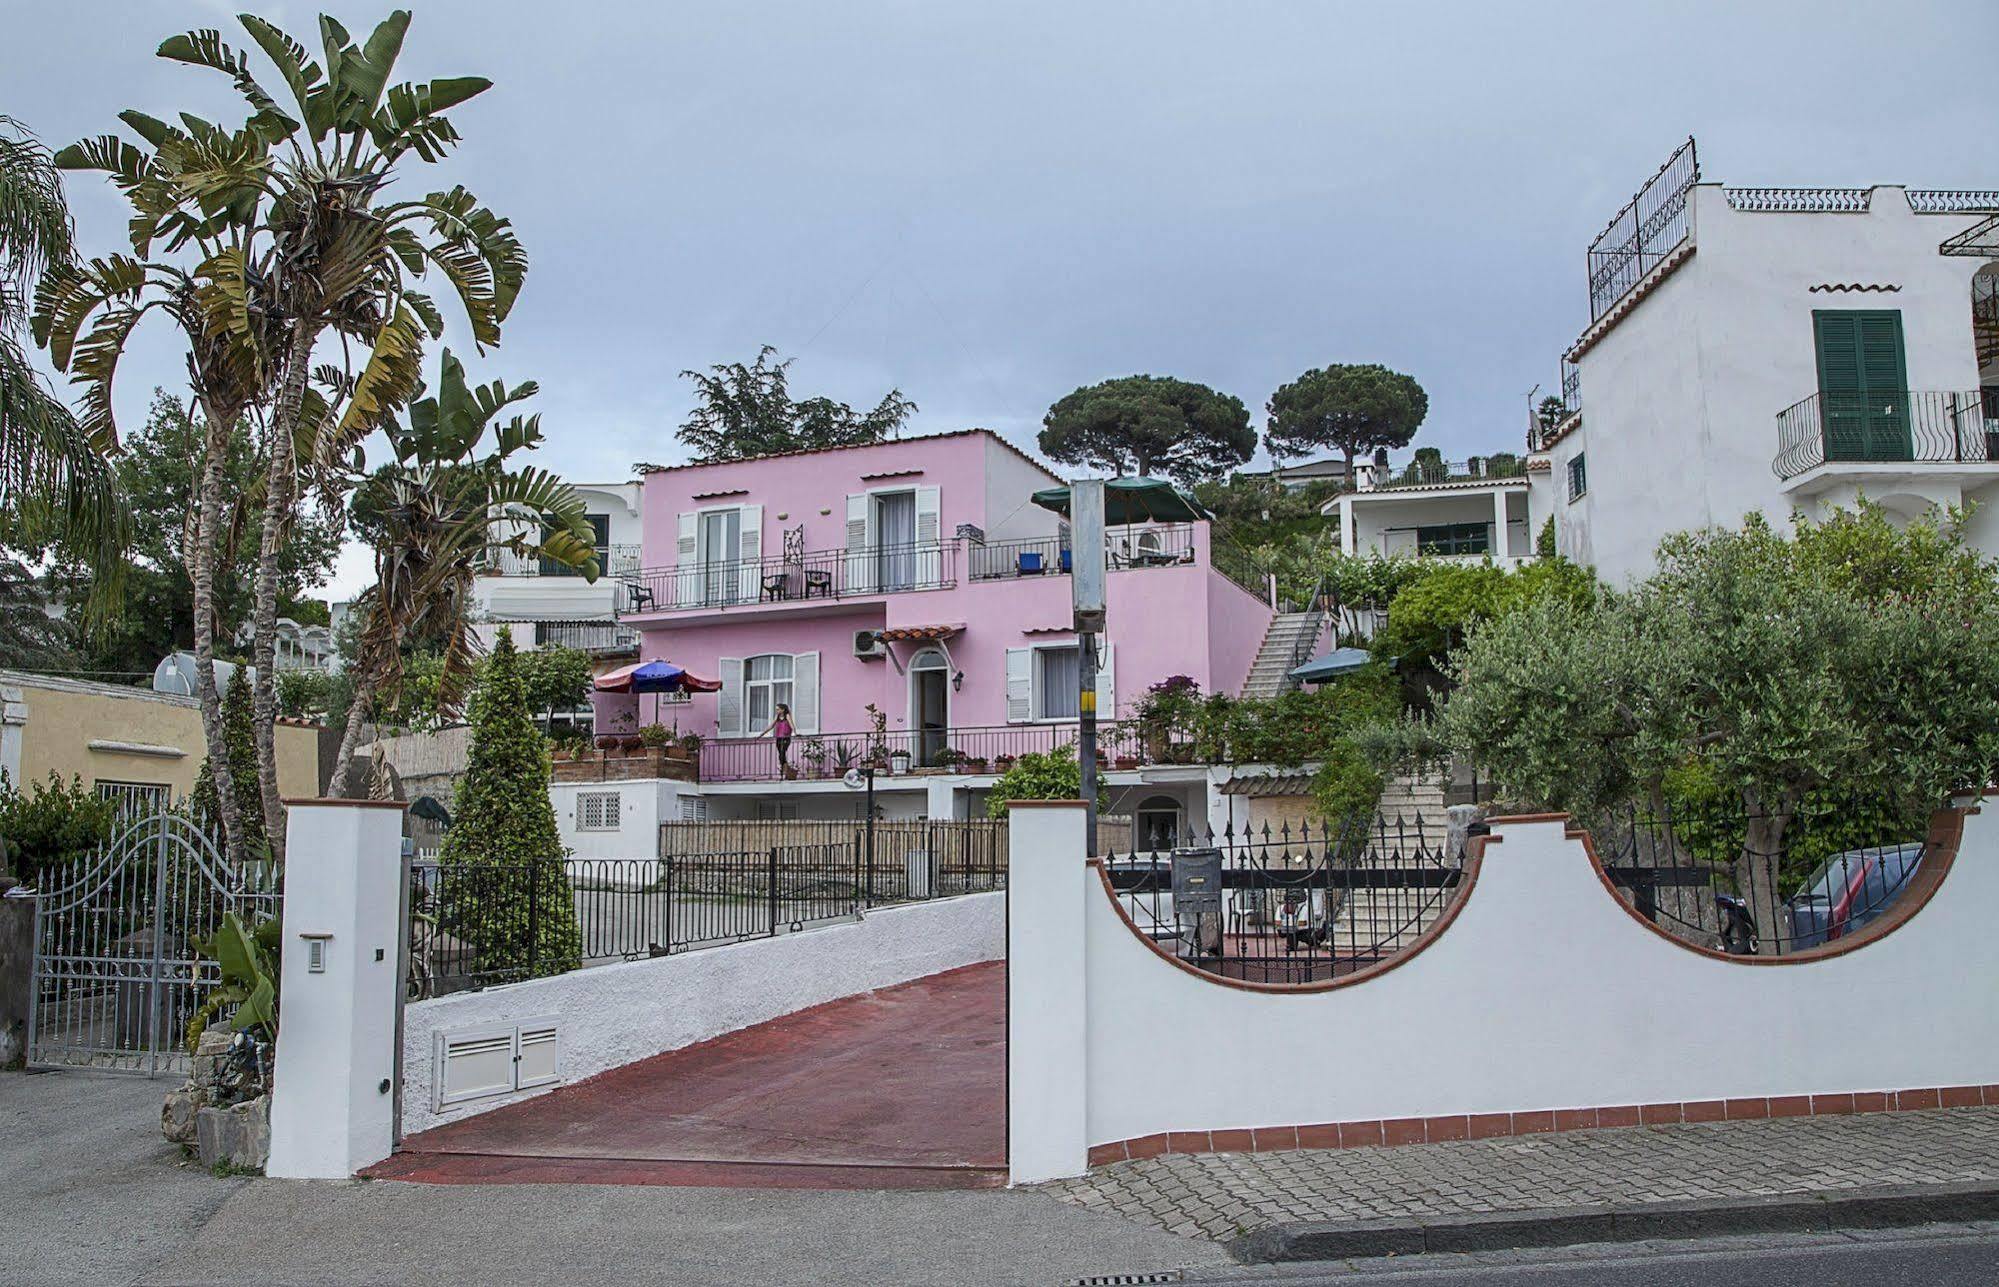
1219, 1196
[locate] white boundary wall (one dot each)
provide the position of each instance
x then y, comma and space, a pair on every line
616, 1014
1542, 994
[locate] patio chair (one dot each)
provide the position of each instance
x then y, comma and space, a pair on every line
1029, 562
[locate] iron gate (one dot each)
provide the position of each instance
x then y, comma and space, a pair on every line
116, 975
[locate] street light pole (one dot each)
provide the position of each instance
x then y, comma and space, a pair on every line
1086, 707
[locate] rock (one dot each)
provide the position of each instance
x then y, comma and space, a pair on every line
238, 1137
177, 1115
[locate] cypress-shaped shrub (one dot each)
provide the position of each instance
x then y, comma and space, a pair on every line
506, 892
239, 736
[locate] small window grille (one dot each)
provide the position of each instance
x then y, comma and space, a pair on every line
1578, 477
598, 811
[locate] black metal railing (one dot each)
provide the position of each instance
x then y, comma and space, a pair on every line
481, 924
1291, 905
1237, 565
1733, 882
1640, 236
1124, 549
1889, 425
590, 636
780, 578
1427, 471
978, 749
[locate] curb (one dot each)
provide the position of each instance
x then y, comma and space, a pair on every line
1821, 1212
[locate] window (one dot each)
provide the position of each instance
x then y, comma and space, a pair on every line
1058, 675
766, 686
134, 799
693, 808
1454, 538
598, 811
1578, 477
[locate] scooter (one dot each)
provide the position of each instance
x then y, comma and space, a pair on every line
1738, 927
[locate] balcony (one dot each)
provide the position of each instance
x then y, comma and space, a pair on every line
1890, 427
810, 576
612, 561
831, 576
973, 750
589, 636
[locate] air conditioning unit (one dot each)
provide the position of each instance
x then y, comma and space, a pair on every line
868, 643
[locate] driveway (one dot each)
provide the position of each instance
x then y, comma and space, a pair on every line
904, 1087
89, 1194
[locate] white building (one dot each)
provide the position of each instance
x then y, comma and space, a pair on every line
1479, 509
546, 603
1777, 350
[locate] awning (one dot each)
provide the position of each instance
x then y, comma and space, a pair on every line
1340, 661
1263, 785
654, 677
921, 634
1132, 500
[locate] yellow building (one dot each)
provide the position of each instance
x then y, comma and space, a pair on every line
130, 743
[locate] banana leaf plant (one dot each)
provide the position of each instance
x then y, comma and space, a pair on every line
248, 959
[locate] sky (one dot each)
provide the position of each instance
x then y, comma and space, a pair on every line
986, 205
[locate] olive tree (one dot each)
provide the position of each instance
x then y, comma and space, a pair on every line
1774, 667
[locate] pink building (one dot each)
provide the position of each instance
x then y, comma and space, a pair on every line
917, 577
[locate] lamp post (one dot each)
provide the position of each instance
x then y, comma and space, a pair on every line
1086, 581
857, 779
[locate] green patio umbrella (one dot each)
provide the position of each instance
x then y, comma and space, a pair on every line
1133, 500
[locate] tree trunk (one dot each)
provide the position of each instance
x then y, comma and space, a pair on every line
1757, 870
350, 736
280, 488
201, 567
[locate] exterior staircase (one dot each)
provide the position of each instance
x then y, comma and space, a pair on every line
1287, 643
1411, 817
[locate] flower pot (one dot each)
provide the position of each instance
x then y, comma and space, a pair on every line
1003, 763
898, 762
975, 766
1127, 761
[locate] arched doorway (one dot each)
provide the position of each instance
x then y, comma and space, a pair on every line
1157, 823
930, 706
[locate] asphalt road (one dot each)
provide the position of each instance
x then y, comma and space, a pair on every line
1933, 1256
89, 1193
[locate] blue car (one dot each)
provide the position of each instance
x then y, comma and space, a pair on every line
1849, 891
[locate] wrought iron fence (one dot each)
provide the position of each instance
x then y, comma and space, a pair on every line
1237, 565
1734, 881
1887, 425
1644, 232
590, 636
975, 750
482, 924
1952, 201
781, 578
1292, 905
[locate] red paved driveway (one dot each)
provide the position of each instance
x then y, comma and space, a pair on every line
901, 1088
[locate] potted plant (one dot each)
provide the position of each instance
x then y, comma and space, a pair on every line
1127, 761
812, 753
898, 761
655, 737
975, 764
1002, 762
844, 757
1167, 708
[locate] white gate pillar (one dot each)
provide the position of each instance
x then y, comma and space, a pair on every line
1047, 1004
333, 1102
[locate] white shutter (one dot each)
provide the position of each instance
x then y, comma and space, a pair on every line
805, 692
1019, 685
472, 1063
1106, 682
687, 562
860, 542
749, 587
929, 531
539, 1044
729, 702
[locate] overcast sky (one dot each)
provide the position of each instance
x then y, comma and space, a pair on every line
988, 204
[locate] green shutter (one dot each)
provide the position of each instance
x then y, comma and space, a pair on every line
1863, 384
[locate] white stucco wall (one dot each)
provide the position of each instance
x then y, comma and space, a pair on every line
1524, 1003
615, 1014
643, 805
1680, 398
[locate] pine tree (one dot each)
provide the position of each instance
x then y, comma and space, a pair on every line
506, 886
241, 739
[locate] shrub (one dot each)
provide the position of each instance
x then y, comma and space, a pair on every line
1052, 775
239, 737
51, 825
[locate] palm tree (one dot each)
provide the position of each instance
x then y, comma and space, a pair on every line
54, 478
327, 254
439, 515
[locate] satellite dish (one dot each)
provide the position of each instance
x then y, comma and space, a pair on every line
853, 778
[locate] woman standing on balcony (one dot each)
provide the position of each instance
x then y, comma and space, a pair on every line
780, 732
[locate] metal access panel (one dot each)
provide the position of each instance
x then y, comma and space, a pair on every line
1086, 540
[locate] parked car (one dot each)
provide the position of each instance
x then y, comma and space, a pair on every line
1848, 891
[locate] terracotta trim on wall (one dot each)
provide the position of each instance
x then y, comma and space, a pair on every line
1940, 848
1477, 1126
1474, 853
318, 802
